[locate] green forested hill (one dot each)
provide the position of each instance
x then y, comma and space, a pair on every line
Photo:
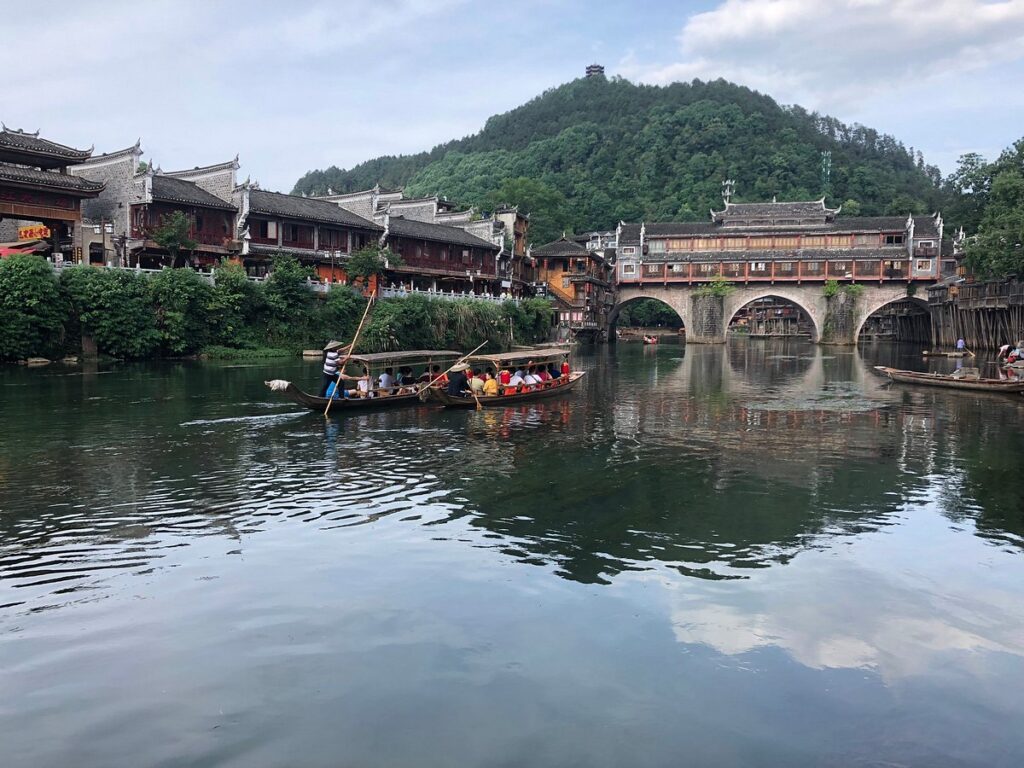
593, 151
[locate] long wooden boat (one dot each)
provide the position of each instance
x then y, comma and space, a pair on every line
933, 353
375, 364
514, 396
952, 382
511, 395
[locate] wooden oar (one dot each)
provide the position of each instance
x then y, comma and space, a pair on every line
351, 349
431, 383
969, 352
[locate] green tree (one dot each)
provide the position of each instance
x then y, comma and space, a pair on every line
998, 248
182, 301
32, 311
174, 235
550, 213
114, 307
237, 308
370, 261
851, 208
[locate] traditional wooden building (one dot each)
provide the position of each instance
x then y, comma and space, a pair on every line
780, 242
38, 195
506, 230
579, 282
441, 258
319, 233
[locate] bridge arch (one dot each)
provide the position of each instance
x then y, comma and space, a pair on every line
631, 303
677, 300
813, 306
874, 302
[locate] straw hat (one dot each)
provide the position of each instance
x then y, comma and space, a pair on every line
332, 345
460, 367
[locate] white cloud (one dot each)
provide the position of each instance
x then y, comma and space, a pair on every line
840, 54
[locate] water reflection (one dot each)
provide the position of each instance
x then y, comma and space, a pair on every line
706, 460
757, 554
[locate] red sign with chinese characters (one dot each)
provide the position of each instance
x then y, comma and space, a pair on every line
36, 232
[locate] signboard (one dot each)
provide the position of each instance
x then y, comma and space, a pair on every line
35, 232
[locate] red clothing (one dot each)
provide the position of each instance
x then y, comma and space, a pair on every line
505, 377
565, 368
544, 375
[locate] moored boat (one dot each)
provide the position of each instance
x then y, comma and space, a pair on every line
935, 353
651, 339
511, 395
963, 381
372, 398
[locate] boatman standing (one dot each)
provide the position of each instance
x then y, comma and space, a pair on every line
332, 355
458, 384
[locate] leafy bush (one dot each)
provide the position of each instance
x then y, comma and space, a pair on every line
238, 307
831, 288
718, 286
115, 307
32, 311
182, 300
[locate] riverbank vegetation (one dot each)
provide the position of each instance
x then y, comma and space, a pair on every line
178, 313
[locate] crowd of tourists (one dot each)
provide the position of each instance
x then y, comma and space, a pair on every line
464, 381
508, 379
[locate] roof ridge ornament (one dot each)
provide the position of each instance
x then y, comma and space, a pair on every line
728, 189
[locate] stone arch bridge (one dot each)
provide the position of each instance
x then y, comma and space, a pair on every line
835, 320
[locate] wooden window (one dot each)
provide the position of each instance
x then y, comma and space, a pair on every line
813, 241
865, 240
628, 250
786, 242
840, 241
735, 243
199, 224
760, 242
924, 265
707, 268
677, 268
653, 269
629, 269
657, 246
895, 239
465, 256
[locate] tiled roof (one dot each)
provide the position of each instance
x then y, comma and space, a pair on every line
440, 233
561, 247
924, 226
631, 232
30, 143
170, 190
19, 174
305, 208
774, 210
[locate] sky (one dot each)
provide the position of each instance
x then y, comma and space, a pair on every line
294, 86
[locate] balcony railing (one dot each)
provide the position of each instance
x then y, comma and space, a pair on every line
795, 271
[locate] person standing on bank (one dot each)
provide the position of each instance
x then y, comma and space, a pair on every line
332, 356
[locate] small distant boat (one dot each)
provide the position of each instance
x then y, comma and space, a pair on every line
969, 380
936, 353
650, 339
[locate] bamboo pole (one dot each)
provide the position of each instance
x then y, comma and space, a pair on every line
351, 349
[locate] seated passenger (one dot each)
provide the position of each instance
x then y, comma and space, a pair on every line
490, 385
386, 381
504, 374
553, 371
440, 378
476, 382
530, 379
517, 379
335, 392
543, 374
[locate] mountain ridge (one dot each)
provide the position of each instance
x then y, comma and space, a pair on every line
592, 152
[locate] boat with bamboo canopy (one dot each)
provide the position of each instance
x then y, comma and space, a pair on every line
512, 395
371, 397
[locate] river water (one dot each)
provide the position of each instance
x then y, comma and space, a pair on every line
761, 554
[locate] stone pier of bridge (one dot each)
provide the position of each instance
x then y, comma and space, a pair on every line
834, 319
